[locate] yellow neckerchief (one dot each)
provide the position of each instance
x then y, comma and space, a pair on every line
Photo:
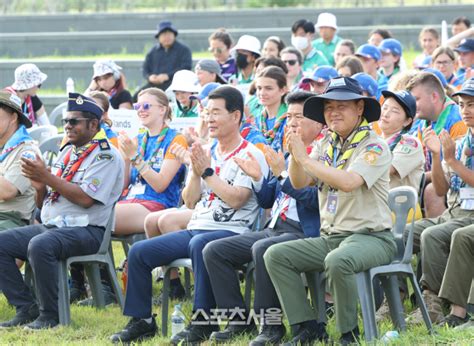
360, 133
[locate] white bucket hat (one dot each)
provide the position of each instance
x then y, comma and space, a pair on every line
185, 80
249, 43
106, 66
326, 19
28, 76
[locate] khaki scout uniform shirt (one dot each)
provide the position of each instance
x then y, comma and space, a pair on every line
10, 170
454, 202
100, 176
409, 160
365, 208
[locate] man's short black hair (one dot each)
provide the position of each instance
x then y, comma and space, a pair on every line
298, 97
462, 20
305, 24
91, 116
234, 101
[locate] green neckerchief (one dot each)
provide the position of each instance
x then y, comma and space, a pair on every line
443, 117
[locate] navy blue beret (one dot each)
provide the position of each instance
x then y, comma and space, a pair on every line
81, 103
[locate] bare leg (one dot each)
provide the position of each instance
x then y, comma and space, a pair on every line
457, 310
130, 218
434, 204
152, 220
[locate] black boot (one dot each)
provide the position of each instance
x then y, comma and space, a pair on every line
269, 335
24, 316
137, 329
350, 337
233, 330
307, 333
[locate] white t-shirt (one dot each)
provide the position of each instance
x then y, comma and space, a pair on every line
211, 213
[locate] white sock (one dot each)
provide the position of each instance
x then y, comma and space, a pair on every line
148, 320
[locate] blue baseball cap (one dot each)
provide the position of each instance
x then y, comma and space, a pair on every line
465, 46
404, 99
369, 51
367, 83
205, 91
391, 45
165, 25
341, 89
322, 74
438, 74
425, 63
467, 88
80, 103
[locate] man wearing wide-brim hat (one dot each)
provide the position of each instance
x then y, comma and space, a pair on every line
165, 58
351, 168
17, 196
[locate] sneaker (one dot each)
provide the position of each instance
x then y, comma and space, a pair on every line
76, 294
22, 317
177, 292
42, 322
308, 333
454, 321
350, 338
434, 307
467, 325
194, 333
137, 329
269, 335
233, 330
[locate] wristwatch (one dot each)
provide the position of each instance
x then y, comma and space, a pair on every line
208, 172
283, 175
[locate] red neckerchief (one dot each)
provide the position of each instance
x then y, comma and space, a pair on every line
69, 168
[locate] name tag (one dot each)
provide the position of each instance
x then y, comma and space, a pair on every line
332, 203
137, 189
466, 194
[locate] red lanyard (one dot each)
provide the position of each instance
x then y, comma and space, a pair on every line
217, 169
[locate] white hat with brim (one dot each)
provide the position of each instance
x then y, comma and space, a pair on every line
28, 76
326, 19
185, 80
248, 43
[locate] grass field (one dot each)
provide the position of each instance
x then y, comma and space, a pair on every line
93, 327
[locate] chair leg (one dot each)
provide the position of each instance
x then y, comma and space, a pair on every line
187, 283
165, 302
366, 297
64, 312
392, 292
248, 285
421, 303
93, 275
115, 284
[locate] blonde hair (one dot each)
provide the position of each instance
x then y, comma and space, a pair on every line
161, 98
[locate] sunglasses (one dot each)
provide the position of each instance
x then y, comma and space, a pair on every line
216, 50
72, 121
145, 106
290, 62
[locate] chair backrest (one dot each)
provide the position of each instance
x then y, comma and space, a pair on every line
50, 148
57, 114
104, 246
42, 133
401, 200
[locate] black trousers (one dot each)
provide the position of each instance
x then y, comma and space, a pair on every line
223, 256
43, 247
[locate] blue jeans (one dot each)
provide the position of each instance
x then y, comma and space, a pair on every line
148, 254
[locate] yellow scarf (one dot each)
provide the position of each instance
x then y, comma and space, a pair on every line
347, 150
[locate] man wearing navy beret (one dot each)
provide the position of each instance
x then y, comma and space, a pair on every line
75, 198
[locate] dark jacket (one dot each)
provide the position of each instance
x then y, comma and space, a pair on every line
307, 204
158, 60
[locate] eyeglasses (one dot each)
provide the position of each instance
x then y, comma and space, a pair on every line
290, 62
216, 50
72, 121
145, 105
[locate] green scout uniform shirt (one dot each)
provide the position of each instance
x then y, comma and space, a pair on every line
327, 48
180, 112
10, 170
365, 208
314, 59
